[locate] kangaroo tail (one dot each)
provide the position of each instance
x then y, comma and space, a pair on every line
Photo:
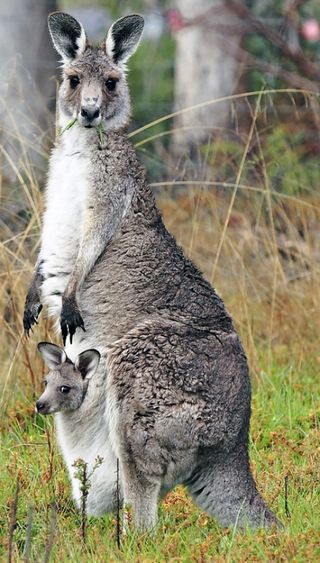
223, 486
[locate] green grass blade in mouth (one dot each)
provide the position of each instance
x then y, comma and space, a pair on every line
68, 126
101, 132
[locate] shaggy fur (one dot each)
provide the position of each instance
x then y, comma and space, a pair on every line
171, 397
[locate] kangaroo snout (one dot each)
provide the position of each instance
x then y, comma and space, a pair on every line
90, 116
42, 407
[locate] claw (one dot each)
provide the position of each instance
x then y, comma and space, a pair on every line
70, 320
71, 333
64, 332
30, 317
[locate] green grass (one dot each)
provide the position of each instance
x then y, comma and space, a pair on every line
284, 442
259, 246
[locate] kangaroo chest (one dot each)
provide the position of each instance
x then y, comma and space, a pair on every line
87, 438
63, 221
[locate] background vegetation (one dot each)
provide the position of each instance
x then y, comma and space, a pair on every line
247, 210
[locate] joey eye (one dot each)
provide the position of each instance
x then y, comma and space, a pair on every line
65, 389
45, 383
111, 84
74, 81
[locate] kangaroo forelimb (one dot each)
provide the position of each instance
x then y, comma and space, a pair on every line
33, 304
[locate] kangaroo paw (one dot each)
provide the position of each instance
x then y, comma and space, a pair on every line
30, 316
70, 319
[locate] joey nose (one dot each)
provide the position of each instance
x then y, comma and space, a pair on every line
40, 406
90, 113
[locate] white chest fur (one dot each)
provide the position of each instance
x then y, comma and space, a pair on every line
64, 215
84, 435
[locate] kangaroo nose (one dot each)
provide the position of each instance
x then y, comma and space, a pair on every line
90, 113
40, 406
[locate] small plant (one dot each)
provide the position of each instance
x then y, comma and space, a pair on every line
84, 477
51, 532
13, 521
118, 529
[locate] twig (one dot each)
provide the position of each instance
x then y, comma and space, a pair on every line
84, 477
13, 520
30, 369
51, 454
286, 506
309, 69
293, 78
27, 545
51, 533
118, 529
291, 7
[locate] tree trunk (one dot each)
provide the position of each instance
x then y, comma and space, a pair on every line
205, 70
28, 64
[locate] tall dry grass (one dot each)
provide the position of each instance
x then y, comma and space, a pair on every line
257, 245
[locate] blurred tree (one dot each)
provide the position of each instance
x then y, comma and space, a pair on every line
28, 63
204, 70
281, 44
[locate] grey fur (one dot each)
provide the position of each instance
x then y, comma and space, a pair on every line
171, 397
73, 378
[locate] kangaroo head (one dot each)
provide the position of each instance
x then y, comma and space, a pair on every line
94, 89
66, 383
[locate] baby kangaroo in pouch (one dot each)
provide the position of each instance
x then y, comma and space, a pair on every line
170, 392
79, 429
66, 383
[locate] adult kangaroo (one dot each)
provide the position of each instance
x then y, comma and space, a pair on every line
171, 396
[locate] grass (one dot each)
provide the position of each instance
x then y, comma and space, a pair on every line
285, 433
260, 249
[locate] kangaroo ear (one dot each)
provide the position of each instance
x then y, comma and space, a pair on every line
68, 35
87, 362
53, 355
123, 38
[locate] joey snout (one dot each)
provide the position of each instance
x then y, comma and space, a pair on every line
43, 406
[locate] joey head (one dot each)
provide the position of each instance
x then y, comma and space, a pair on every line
66, 383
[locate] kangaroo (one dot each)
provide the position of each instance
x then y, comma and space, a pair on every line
171, 395
66, 386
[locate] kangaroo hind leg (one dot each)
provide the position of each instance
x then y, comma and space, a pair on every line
141, 493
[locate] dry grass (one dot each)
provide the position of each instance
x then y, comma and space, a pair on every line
260, 248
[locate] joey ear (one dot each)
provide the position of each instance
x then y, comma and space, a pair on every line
68, 35
87, 362
123, 38
53, 355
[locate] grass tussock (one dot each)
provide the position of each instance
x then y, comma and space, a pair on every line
259, 244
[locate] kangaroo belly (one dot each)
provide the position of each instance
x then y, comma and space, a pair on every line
99, 458
62, 223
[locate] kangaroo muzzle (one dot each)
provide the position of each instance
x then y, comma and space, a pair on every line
90, 116
90, 109
42, 407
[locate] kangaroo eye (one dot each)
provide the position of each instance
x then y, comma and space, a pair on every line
65, 389
111, 84
45, 383
74, 81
